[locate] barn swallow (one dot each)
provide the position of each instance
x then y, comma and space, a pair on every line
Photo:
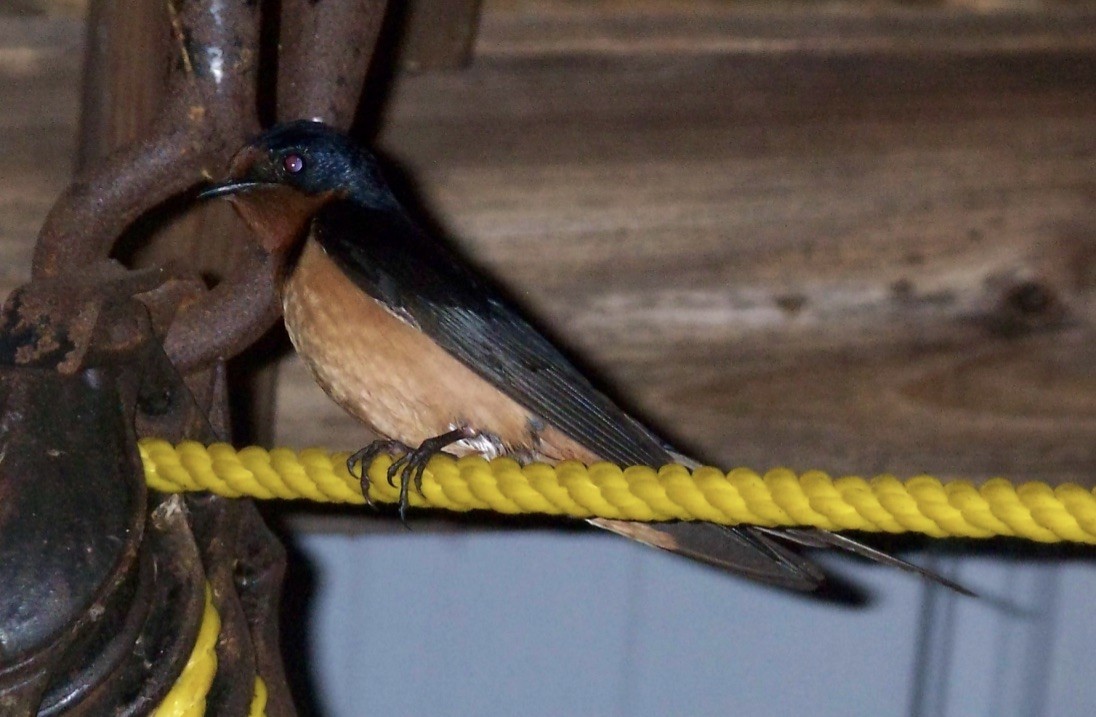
402, 334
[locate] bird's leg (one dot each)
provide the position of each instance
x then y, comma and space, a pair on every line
365, 457
413, 463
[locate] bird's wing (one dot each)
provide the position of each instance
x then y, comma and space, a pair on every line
391, 259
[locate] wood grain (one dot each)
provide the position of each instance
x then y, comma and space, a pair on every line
39, 81
437, 35
856, 257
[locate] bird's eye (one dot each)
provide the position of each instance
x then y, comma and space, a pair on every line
293, 163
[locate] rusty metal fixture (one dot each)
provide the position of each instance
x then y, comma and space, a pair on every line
104, 584
93, 619
210, 110
325, 54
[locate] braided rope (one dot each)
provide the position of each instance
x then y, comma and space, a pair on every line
923, 504
258, 701
187, 697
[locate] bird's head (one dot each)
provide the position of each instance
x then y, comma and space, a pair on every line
280, 179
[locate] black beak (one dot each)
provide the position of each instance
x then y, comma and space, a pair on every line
226, 188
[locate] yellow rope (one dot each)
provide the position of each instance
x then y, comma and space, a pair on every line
187, 697
923, 504
258, 702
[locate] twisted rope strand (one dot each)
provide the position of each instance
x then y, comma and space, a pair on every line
923, 504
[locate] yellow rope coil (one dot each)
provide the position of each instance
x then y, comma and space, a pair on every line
187, 697
258, 702
1034, 511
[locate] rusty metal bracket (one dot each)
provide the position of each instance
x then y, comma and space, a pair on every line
210, 110
103, 582
79, 360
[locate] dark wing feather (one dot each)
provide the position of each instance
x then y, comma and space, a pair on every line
815, 538
742, 549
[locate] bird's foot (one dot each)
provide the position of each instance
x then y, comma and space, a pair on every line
412, 465
365, 457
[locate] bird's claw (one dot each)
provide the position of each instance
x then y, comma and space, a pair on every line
410, 466
365, 457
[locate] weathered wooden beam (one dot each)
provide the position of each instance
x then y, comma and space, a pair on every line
438, 35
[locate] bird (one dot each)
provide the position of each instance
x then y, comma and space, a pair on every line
403, 334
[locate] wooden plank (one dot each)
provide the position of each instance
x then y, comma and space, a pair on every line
817, 260
702, 27
72, 8
437, 35
857, 261
39, 77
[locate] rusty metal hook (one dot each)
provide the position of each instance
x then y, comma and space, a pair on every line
209, 112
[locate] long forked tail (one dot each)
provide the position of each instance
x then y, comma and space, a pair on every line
758, 552
743, 550
814, 538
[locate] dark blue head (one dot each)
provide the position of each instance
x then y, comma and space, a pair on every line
311, 158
